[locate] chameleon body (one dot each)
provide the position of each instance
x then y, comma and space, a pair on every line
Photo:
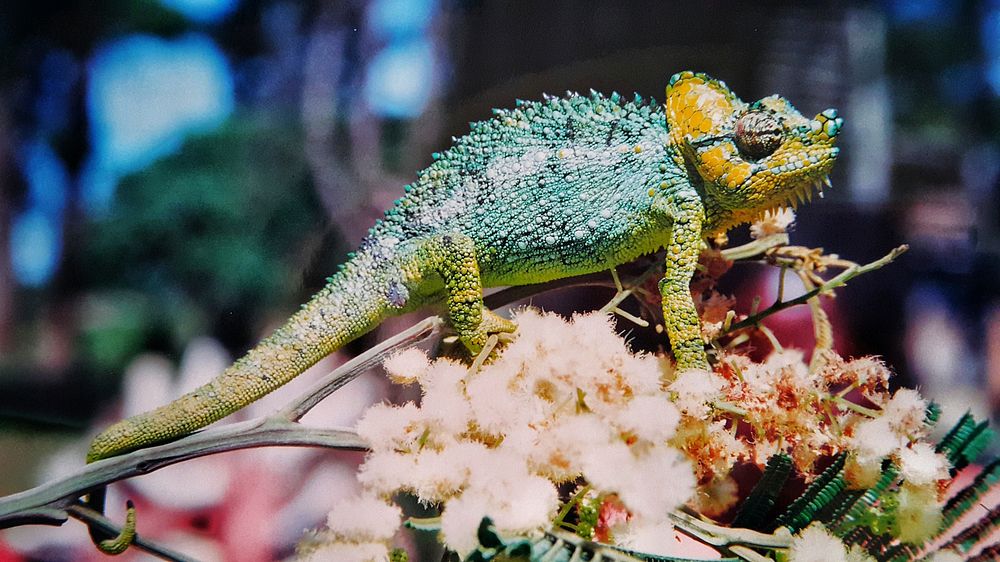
547, 190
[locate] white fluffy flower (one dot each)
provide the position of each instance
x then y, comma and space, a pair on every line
652, 418
650, 482
920, 465
348, 552
407, 366
364, 519
649, 538
694, 389
772, 222
918, 514
816, 544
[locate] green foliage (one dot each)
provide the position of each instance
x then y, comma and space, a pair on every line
758, 505
815, 497
215, 228
551, 547
965, 442
854, 508
969, 496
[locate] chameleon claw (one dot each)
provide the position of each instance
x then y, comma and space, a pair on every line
119, 544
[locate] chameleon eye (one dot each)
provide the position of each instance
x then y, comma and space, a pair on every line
758, 134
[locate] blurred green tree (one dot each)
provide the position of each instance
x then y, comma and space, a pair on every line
212, 238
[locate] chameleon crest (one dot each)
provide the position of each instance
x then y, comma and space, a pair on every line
751, 157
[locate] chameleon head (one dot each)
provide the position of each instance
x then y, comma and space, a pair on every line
751, 157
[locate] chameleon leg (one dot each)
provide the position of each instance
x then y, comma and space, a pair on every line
679, 313
453, 257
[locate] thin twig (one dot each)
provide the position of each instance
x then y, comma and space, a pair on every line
425, 329
60, 494
717, 535
838, 281
756, 247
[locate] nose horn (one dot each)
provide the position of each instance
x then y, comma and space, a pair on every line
830, 122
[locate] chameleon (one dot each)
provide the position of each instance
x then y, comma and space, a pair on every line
549, 189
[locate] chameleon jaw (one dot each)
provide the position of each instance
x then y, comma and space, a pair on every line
804, 193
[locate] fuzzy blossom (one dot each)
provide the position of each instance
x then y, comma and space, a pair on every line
364, 519
566, 399
717, 497
920, 465
694, 389
906, 412
517, 501
869, 374
651, 418
816, 544
918, 513
713, 311
407, 366
649, 482
359, 529
346, 552
874, 439
649, 538
772, 222
901, 420
385, 427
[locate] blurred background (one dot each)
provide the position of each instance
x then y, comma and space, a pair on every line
176, 176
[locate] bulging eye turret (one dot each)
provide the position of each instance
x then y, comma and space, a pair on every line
758, 134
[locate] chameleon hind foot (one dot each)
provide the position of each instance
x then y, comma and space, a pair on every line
491, 323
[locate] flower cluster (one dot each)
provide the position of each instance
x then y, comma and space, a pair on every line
566, 427
565, 401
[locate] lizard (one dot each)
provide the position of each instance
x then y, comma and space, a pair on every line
548, 189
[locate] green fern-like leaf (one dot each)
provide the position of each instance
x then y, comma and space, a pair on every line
815, 497
968, 497
554, 546
900, 552
957, 436
975, 532
988, 554
851, 513
754, 511
932, 414
979, 438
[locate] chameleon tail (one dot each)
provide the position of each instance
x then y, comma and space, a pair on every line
336, 315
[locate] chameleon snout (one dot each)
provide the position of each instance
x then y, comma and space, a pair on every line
827, 123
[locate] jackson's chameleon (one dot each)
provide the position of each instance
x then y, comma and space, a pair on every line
546, 190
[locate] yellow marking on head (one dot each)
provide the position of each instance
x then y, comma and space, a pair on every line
715, 160
698, 105
738, 174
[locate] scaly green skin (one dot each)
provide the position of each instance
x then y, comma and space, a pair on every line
547, 190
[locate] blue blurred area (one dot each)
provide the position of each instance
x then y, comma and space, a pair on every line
35, 234
920, 11
400, 79
990, 36
400, 19
202, 11
145, 96
401, 76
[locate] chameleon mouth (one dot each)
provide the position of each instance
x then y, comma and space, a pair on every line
804, 193
801, 194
